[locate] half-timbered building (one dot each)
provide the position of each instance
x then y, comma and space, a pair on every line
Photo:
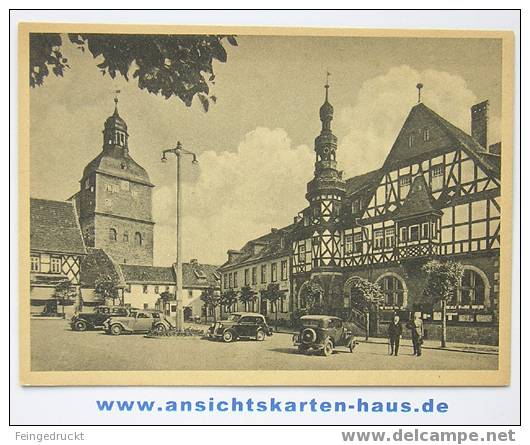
56, 250
437, 195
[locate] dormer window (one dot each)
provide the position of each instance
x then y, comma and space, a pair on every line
356, 206
411, 140
426, 134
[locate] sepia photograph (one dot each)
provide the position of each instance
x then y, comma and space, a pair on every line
264, 206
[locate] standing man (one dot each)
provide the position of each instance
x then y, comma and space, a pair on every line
416, 332
395, 330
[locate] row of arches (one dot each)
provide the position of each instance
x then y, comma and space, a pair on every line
474, 290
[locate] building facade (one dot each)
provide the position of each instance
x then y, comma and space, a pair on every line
56, 250
114, 202
260, 262
145, 286
437, 195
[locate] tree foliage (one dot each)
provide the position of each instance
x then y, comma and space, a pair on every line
273, 295
106, 288
211, 299
311, 293
247, 296
228, 298
443, 278
65, 291
163, 64
365, 294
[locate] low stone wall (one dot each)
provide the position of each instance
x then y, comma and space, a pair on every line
486, 334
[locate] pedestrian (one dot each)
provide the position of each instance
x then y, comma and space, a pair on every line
395, 330
416, 331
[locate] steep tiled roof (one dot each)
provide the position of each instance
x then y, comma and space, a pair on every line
194, 275
147, 274
447, 136
54, 227
358, 183
97, 264
264, 247
417, 202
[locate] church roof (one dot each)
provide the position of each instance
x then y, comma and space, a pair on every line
114, 162
418, 201
446, 135
54, 227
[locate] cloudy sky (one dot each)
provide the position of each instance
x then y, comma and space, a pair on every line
255, 145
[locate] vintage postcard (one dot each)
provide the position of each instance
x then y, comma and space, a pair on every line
264, 206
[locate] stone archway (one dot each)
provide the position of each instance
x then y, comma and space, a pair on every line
404, 289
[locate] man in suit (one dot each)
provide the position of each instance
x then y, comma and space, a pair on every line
395, 330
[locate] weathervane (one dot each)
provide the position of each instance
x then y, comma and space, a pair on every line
327, 83
419, 86
116, 92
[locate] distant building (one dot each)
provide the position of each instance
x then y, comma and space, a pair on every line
260, 262
114, 202
56, 249
142, 286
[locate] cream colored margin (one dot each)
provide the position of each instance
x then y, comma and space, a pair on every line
269, 378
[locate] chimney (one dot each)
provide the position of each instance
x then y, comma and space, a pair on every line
274, 230
495, 149
194, 261
479, 123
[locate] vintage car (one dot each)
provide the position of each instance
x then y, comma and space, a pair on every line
240, 325
138, 321
81, 321
323, 333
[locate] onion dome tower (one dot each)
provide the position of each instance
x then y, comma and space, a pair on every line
325, 193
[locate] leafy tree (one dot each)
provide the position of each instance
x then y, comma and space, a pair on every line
247, 296
365, 295
443, 279
64, 292
211, 299
106, 288
228, 298
311, 294
165, 64
273, 294
166, 296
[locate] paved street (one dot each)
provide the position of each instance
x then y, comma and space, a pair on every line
55, 348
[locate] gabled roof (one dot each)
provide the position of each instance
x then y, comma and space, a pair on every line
54, 227
270, 247
418, 201
443, 134
194, 275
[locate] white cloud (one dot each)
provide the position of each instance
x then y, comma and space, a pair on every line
383, 103
235, 196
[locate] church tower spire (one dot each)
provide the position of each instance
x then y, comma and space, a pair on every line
115, 134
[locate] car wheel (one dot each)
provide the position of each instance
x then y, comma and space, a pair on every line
327, 350
116, 329
80, 325
160, 329
260, 335
228, 336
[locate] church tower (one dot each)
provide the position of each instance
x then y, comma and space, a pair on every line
115, 199
325, 193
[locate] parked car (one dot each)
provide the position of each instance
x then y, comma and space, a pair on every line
323, 333
82, 321
240, 325
139, 321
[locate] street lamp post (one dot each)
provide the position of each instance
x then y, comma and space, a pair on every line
178, 151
